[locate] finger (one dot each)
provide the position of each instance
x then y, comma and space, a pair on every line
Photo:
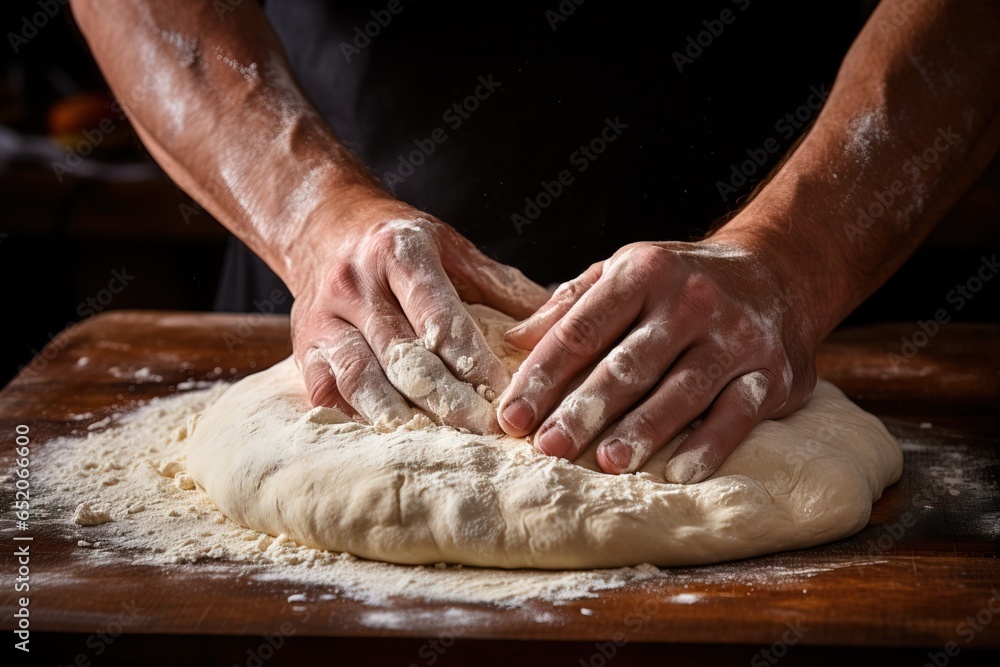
340, 370
527, 334
422, 376
739, 408
686, 392
618, 382
419, 375
321, 386
372, 310
431, 304
601, 315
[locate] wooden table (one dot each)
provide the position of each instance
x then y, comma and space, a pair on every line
900, 589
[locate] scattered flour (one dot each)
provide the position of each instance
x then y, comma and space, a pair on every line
101, 423
141, 375
866, 129
126, 489
191, 383
85, 515
123, 495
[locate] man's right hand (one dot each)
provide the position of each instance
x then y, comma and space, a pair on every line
213, 99
372, 282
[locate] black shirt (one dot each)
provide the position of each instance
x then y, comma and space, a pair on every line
553, 135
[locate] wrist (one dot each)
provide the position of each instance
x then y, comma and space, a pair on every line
334, 227
803, 277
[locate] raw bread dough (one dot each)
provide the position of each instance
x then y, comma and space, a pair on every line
436, 494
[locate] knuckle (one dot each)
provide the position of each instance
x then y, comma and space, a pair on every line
435, 323
631, 282
351, 372
571, 290
640, 263
777, 375
642, 428
395, 242
343, 280
791, 384
747, 330
323, 394
694, 384
623, 364
752, 390
381, 242
322, 386
579, 335
632, 270
700, 294
648, 257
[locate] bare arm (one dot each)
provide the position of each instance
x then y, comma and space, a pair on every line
212, 98
911, 122
728, 327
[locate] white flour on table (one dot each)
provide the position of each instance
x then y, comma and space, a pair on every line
122, 494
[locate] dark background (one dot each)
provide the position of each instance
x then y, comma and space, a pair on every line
60, 240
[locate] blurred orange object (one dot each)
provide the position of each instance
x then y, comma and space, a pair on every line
87, 120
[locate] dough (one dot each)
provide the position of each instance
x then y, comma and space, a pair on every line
427, 494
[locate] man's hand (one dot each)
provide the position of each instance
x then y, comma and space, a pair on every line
730, 325
675, 330
380, 278
370, 274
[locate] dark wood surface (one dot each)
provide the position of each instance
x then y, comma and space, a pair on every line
892, 585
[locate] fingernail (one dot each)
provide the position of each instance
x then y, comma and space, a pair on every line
687, 468
618, 453
514, 331
519, 415
554, 442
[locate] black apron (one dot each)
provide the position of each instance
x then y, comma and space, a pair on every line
553, 136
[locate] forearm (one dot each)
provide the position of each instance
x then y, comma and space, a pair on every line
910, 123
213, 100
